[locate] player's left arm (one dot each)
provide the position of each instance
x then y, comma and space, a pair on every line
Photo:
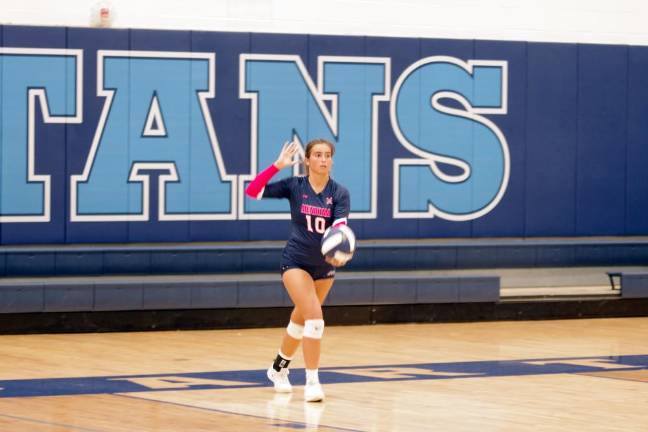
342, 207
340, 217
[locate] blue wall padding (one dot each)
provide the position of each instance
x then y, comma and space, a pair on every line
636, 180
80, 136
50, 158
508, 218
551, 144
602, 134
574, 126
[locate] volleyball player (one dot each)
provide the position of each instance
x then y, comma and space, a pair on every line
316, 203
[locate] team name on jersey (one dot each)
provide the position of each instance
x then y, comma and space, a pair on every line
315, 211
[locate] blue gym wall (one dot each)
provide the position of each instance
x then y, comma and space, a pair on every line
573, 122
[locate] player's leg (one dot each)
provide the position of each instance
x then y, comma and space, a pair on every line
301, 289
304, 293
295, 330
278, 372
313, 389
293, 335
322, 288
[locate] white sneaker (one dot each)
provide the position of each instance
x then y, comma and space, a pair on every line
313, 392
280, 380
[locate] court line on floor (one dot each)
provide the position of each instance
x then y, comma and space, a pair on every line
616, 375
27, 419
319, 426
330, 375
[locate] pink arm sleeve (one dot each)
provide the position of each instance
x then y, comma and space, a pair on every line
341, 221
255, 189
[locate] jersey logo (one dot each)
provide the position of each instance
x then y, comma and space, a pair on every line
315, 211
329, 201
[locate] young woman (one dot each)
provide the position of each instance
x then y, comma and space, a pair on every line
316, 203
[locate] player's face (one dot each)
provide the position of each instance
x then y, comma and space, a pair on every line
320, 160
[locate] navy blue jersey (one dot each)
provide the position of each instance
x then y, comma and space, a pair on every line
311, 214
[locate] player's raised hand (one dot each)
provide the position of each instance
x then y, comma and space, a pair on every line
287, 155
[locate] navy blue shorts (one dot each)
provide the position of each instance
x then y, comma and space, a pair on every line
323, 271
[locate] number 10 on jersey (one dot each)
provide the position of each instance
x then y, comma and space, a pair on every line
320, 224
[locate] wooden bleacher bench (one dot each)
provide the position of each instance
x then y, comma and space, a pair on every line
113, 293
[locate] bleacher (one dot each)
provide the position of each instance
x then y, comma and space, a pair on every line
404, 280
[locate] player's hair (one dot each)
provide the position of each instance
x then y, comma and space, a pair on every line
310, 146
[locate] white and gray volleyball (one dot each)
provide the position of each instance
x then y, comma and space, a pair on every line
339, 242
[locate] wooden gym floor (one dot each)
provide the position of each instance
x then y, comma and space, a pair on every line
567, 375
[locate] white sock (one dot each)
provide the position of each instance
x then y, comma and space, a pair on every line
285, 356
311, 376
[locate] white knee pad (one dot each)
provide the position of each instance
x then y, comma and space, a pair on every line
314, 328
295, 331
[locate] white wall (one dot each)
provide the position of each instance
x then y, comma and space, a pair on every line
598, 21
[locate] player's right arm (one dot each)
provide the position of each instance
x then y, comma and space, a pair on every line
257, 188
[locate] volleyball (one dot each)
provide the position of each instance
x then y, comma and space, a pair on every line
339, 242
